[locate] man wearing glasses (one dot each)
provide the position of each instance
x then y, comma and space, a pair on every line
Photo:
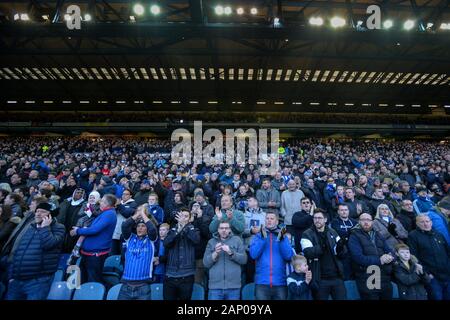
406, 216
302, 220
324, 250
224, 256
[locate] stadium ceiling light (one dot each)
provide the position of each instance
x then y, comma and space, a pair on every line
87, 17
155, 9
219, 10
254, 11
45, 17
181, 120
337, 22
408, 25
240, 11
227, 11
138, 9
388, 24
316, 21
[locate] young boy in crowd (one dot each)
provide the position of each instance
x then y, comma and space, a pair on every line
298, 281
159, 259
409, 275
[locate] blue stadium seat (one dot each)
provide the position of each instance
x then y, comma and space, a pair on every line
62, 264
113, 293
248, 291
395, 291
112, 270
113, 264
59, 291
90, 291
59, 276
352, 290
198, 292
157, 291
2, 290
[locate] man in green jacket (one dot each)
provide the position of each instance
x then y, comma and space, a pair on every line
228, 214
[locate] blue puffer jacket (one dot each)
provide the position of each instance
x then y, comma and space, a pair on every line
422, 205
37, 254
271, 256
440, 223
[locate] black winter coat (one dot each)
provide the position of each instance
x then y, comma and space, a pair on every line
301, 221
180, 251
410, 284
37, 254
313, 251
364, 252
202, 224
432, 251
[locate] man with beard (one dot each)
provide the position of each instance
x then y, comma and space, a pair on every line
68, 216
343, 224
324, 250
367, 248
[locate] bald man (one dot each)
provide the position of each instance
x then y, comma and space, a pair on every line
433, 252
367, 249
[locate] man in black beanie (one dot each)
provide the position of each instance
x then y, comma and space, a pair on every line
34, 257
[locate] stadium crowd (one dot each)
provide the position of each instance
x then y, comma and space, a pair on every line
334, 211
173, 118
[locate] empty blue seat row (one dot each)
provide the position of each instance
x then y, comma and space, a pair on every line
87, 291
96, 291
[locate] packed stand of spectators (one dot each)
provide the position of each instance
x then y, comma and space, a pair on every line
333, 211
239, 117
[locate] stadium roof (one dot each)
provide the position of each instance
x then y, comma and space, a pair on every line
190, 58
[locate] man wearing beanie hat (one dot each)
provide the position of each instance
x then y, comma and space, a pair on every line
107, 186
34, 257
423, 203
139, 254
439, 217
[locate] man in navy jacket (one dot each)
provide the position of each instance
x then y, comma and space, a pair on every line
34, 256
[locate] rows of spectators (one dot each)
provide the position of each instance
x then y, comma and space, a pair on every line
334, 211
174, 118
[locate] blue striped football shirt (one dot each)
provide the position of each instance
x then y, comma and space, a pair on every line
138, 259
